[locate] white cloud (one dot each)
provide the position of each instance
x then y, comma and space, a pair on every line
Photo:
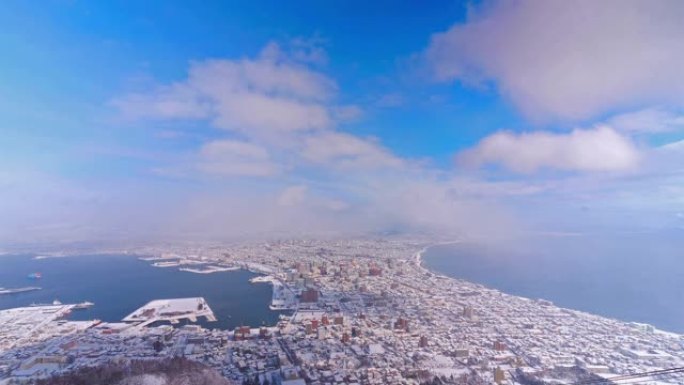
263, 75
265, 97
346, 151
651, 120
235, 158
677, 146
277, 101
259, 115
597, 149
569, 59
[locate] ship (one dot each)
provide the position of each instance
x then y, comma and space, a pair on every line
83, 305
35, 276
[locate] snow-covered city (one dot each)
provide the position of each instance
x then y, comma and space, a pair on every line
360, 312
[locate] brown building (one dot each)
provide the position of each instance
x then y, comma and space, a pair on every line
499, 375
309, 295
241, 333
401, 324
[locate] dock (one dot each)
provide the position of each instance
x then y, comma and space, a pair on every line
171, 310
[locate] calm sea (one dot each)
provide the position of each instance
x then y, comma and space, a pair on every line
637, 277
118, 285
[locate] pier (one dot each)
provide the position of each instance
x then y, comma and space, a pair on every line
172, 310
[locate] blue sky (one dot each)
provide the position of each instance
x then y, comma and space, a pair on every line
225, 119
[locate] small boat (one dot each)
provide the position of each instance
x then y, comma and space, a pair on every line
35, 276
83, 305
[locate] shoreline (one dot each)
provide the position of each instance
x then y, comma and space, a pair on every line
266, 272
279, 300
418, 260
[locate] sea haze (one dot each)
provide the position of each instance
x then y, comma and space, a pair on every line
632, 277
120, 284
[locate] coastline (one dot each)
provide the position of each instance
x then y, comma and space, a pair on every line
281, 294
418, 260
419, 257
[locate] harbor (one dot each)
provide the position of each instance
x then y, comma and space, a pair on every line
118, 284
